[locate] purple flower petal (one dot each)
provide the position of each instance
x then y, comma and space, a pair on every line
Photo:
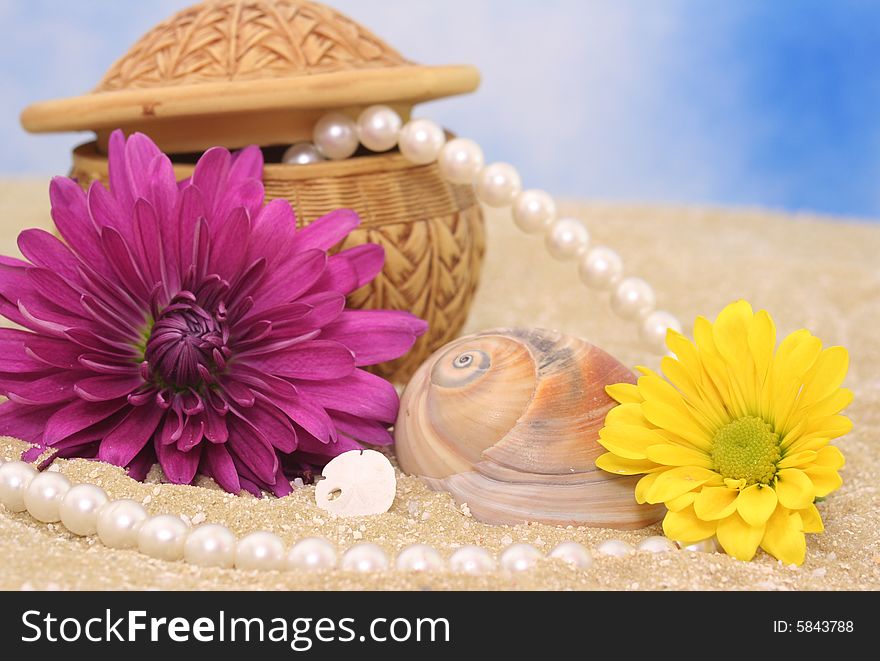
14, 352
315, 360
179, 467
102, 388
360, 394
148, 244
364, 431
210, 176
327, 231
51, 389
71, 216
24, 422
140, 153
106, 211
119, 182
290, 280
44, 249
367, 259
274, 232
215, 426
247, 163
274, 425
219, 465
230, 244
375, 335
140, 466
315, 451
128, 438
52, 352
306, 413
252, 448
163, 193
246, 195
76, 416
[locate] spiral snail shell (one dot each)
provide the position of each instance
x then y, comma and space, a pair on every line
507, 421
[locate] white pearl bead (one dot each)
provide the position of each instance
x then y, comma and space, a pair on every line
632, 299
419, 557
163, 537
15, 476
534, 211
574, 554
498, 184
364, 557
703, 546
210, 545
43, 496
336, 136
79, 508
304, 153
473, 560
567, 239
421, 140
312, 553
615, 547
653, 329
600, 268
379, 127
118, 523
519, 557
260, 550
460, 161
656, 544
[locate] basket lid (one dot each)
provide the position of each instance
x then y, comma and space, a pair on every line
236, 72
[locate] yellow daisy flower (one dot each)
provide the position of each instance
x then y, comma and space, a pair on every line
735, 441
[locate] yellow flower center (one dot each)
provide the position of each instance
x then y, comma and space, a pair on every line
746, 449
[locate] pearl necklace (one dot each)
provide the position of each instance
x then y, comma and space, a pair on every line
379, 128
85, 510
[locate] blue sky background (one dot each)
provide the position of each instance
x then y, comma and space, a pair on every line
772, 104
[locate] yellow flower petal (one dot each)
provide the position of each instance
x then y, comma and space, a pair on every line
620, 466
811, 519
684, 500
756, 503
794, 489
730, 330
626, 414
834, 426
704, 400
629, 441
678, 455
645, 483
738, 538
714, 503
677, 481
625, 393
824, 480
762, 341
830, 457
784, 537
685, 526
834, 403
795, 459
825, 376
672, 419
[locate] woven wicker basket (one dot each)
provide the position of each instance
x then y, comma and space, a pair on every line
432, 233
239, 72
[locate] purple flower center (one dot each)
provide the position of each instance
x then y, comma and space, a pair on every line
187, 345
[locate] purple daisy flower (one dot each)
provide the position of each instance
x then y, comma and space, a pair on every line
190, 324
